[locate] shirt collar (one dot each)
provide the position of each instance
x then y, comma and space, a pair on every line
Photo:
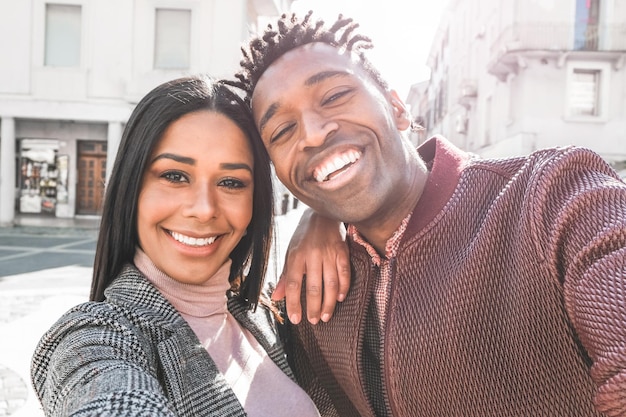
391, 247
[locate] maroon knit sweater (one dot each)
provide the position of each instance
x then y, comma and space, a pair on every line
508, 296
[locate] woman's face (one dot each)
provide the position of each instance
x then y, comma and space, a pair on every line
195, 201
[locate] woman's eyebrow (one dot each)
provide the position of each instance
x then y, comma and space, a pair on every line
177, 158
235, 166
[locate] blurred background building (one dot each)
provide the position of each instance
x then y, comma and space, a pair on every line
506, 78
71, 71
510, 77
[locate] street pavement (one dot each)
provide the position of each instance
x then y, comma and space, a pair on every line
44, 271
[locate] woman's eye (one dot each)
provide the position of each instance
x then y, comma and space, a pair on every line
282, 132
232, 183
174, 176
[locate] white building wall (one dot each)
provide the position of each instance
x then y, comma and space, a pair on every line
519, 58
15, 45
93, 100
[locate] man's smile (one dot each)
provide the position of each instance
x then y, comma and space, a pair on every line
334, 165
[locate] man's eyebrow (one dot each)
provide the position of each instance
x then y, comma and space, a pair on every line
324, 75
312, 80
177, 158
271, 111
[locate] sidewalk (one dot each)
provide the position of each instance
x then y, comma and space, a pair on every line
30, 303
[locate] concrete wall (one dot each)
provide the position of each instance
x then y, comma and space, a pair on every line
93, 100
519, 56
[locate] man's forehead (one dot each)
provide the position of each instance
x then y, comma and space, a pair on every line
303, 67
318, 53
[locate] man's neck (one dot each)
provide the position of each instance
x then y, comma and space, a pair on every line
379, 228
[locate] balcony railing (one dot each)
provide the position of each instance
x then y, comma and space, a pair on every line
559, 37
507, 52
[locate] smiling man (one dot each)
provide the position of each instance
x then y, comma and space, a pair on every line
480, 287
335, 139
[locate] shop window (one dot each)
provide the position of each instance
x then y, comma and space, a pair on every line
172, 38
63, 35
42, 176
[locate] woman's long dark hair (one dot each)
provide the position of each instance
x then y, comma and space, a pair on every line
162, 106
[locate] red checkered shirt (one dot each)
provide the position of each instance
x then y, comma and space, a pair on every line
372, 354
381, 286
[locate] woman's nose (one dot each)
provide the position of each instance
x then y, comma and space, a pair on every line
202, 204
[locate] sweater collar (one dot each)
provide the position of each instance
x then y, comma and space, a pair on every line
446, 163
201, 300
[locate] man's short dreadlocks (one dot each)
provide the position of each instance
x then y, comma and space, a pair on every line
292, 33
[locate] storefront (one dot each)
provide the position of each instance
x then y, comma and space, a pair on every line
42, 176
54, 168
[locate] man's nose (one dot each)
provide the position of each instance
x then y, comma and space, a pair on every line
316, 129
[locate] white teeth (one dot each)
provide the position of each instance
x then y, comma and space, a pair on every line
192, 241
337, 163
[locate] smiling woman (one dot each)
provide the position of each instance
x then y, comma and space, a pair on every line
179, 323
196, 196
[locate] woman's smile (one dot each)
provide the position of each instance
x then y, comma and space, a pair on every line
192, 241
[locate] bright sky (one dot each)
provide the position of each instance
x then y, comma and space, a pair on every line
402, 32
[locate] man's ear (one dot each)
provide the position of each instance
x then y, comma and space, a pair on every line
401, 115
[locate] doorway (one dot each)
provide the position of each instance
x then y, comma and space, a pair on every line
92, 159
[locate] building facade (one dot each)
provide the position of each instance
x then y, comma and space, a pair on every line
511, 77
73, 70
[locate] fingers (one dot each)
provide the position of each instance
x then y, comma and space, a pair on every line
319, 286
314, 283
293, 277
343, 272
331, 288
326, 283
318, 259
336, 280
279, 291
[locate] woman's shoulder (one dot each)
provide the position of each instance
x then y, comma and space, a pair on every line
83, 321
132, 309
79, 326
88, 339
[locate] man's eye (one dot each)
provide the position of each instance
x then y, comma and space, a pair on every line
282, 132
335, 97
174, 176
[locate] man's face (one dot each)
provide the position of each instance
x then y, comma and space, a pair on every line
332, 133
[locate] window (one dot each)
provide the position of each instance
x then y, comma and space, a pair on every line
588, 91
586, 29
63, 35
172, 38
584, 97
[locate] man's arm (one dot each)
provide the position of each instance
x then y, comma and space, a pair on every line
583, 222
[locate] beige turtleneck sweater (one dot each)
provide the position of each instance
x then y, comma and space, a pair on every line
259, 384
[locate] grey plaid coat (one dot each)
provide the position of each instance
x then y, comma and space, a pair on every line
134, 355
